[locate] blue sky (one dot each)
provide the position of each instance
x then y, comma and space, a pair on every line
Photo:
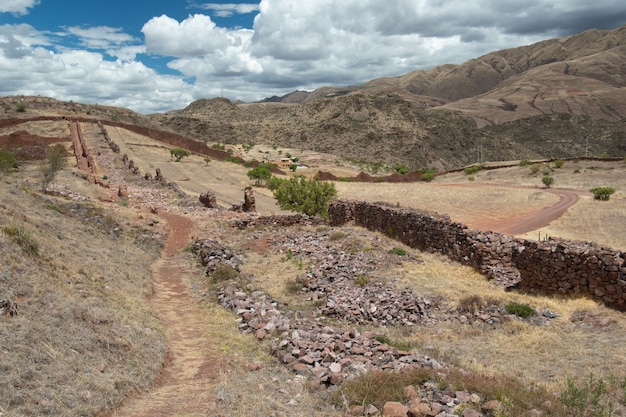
158, 55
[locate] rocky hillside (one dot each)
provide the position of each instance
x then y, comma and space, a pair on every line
557, 98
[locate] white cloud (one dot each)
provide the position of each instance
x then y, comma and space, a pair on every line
196, 35
293, 44
19, 7
100, 37
228, 9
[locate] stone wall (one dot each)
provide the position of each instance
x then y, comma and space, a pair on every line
551, 267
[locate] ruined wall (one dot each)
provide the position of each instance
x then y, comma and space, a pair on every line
551, 267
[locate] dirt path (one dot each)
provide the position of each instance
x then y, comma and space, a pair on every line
528, 222
184, 387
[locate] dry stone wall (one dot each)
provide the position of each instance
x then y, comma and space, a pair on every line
551, 267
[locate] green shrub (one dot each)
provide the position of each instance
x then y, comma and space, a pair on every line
524, 162
179, 153
361, 280
305, 196
534, 169
398, 251
22, 238
547, 181
7, 160
20, 107
602, 193
521, 310
559, 163
473, 169
260, 174
592, 397
401, 169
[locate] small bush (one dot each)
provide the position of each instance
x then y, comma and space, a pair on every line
592, 397
398, 251
361, 280
7, 160
20, 107
602, 193
401, 169
559, 163
473, 169
524, 162
521, 310
336, 236
547, 181
22, 238
224, 272
534, 169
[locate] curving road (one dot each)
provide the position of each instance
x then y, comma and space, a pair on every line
534, 220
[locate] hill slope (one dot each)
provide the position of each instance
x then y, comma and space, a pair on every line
439, 117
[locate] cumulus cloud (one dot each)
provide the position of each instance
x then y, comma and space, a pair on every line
293, 44
19, 7
196, 35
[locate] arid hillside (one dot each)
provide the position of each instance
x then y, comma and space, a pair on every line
562, 97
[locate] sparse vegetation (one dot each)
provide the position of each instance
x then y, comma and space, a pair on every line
50, 168
427, 174
22, 238
401, 169
594, 397
525, 162
398, 251
473, 169
602, 193
522, 310
559, 163
20, 107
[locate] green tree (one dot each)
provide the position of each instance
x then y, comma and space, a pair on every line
179, 154
305, 196
7, 160
602, 193
293, 167
57, 159
260, 174
547, 181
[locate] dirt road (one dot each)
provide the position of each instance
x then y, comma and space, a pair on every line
528, 222
192, 366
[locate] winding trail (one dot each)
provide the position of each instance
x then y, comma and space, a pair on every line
192, 366
534, 220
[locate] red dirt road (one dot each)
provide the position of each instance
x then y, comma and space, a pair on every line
192, 365
528, 222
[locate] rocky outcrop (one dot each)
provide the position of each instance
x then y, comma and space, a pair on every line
208, 199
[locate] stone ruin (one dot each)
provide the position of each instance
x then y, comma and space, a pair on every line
551, 267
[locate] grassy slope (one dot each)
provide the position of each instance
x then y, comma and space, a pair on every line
84, 334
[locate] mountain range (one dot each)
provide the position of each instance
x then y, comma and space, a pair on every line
563, 97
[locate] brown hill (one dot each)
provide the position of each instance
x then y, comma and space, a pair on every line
557, 98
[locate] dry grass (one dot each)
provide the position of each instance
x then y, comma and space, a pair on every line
84, 335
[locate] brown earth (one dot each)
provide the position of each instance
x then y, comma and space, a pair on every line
192, 365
